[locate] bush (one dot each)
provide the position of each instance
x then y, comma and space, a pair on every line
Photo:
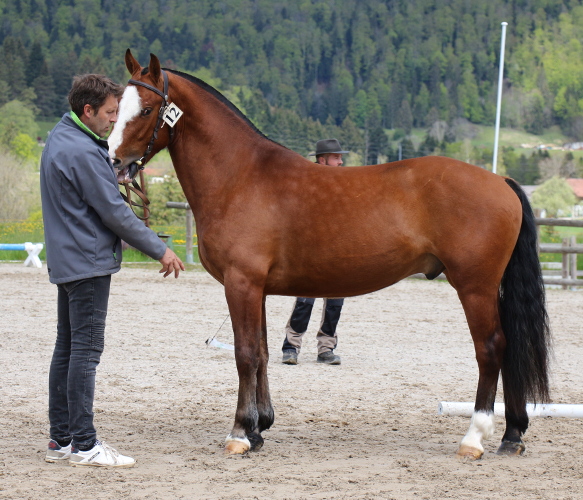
554, 195
161, 192
20, 187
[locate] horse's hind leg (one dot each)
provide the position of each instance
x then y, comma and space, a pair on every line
245, 301
481, 310
516, 423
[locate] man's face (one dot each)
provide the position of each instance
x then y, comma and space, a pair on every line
332, 159
101, 122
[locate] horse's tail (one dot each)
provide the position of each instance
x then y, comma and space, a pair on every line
524, 319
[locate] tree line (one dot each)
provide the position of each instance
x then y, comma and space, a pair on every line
304, 69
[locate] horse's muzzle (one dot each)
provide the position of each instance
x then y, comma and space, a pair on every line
127, 174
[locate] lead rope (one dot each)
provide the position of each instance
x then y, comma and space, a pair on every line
140, 192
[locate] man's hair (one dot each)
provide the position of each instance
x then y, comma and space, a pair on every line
93, 90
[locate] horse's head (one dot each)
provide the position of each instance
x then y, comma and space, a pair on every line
140, 132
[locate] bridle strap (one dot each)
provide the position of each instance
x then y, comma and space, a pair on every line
163, 95
160, 121
135, 187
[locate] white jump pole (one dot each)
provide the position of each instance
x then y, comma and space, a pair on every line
499, 101
454, 409
33, 249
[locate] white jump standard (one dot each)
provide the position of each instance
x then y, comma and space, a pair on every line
33, 249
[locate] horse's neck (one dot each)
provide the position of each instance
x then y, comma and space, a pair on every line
213, 150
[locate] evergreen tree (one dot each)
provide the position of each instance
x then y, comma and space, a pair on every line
46, 96
314, 58
404, 118
12, 65
36, 64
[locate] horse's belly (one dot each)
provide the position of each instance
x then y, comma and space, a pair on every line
347, 277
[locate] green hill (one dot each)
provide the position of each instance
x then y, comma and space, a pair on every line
305, 69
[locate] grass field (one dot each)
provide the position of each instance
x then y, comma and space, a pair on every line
21, 232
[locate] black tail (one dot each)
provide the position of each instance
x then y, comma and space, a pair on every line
524, 319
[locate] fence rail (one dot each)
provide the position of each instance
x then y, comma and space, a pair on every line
559, 248
568, 248
558, 222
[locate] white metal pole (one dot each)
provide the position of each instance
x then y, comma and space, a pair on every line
499, 102
458, 409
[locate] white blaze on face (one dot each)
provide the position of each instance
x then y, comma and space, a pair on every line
129, 107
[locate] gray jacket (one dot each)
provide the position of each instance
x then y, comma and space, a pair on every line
83, 211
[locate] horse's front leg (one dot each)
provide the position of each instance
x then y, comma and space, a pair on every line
263, 398
246, 304
489, 344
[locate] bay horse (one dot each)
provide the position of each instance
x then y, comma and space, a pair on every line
271, 222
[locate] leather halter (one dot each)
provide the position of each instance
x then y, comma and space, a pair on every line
138, 166
159, 122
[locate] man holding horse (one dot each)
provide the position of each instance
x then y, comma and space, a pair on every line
85, 219
328, 152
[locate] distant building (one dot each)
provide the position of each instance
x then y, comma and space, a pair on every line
529, 189
577, 186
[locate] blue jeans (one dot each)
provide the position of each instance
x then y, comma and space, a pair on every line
82, 308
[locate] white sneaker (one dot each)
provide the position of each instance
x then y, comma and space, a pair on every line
101, 455
56, 453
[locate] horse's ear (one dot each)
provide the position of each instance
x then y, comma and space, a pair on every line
131, 63
154, 68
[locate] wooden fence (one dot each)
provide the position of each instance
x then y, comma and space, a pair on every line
189, 227
568, 248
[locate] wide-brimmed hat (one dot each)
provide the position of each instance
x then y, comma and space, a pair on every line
328, 146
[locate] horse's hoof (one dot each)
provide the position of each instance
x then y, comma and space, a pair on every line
469, 453
511, 448
256, 441
236, 446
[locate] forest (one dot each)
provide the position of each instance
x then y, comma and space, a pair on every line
301, 69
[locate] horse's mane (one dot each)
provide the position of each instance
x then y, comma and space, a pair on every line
214, 92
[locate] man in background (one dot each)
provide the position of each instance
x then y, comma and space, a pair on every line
328, 152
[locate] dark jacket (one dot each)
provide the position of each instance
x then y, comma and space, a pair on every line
83, 211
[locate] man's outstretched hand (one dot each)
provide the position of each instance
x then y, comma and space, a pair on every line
171, 263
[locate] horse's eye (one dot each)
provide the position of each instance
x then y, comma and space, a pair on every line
146, 111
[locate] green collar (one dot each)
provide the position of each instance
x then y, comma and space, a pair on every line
84, 127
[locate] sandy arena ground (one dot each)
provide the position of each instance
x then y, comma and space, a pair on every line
366, 429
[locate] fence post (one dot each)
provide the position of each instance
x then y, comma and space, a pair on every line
565, 263
573, 258
189, 227
189, 224
537, 214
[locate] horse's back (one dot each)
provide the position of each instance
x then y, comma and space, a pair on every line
428, 196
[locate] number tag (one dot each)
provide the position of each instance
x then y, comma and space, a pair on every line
172, 114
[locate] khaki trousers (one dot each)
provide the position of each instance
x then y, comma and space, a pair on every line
298, 324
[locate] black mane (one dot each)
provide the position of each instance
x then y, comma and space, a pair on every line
211, 90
